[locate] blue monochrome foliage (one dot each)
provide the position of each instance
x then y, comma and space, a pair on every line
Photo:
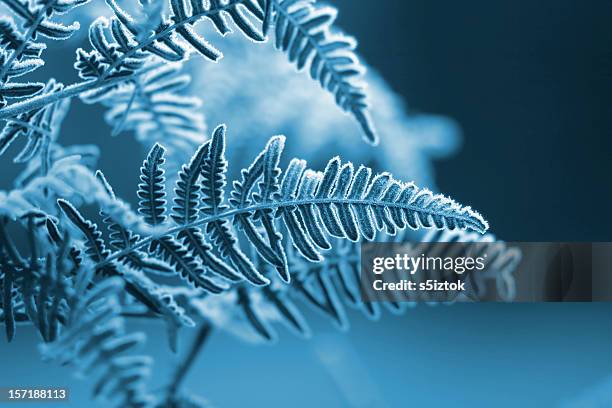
214, 241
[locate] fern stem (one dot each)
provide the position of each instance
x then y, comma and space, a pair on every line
27, 37
266, 206
190, 358
78, 88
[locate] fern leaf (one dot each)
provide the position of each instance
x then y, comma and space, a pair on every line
179, 257
213, 173
289, 312
185, 211
258, 324
122, 238
302, 29
7, 297
95, 247
301, 200
265, 167
151, 189
312, 206
169, 39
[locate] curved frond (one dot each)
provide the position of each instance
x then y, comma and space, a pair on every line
315, 208
303, 30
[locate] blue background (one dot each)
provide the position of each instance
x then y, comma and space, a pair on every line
476, 355
530, 83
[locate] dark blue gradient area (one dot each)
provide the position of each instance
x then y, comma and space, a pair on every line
479, 355
529, 82
530, 85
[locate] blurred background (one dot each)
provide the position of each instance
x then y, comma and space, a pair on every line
529, 84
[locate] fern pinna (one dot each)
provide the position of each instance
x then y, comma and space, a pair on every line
311, 207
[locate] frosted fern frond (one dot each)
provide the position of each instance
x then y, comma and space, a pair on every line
302, 29
121, 43
312, 207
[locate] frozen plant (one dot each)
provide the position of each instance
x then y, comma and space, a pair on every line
197, 251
